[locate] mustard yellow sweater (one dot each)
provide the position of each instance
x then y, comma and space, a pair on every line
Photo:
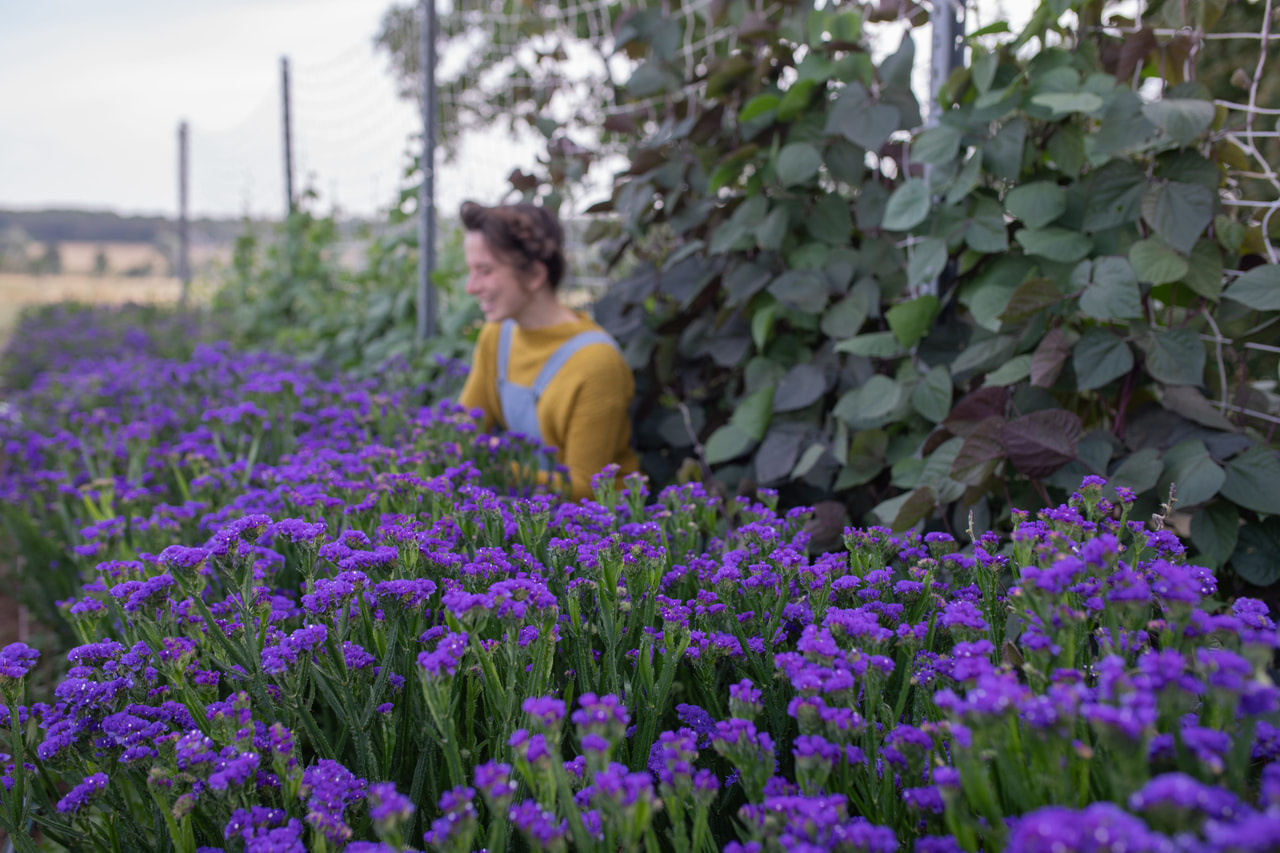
583, 413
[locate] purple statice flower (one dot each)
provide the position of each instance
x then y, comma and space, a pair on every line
300, 532
183, 560
355, 657
527, 747
194, 749
329, 788
410, 592
927, 798
745, 700
1179, 792
963, 615
671, 758
447, 656
601, 715
546, 711
387, 805
623, 788
541, 826
144, 594
1097, 828
81, 795
457, 819
233, 769
16, 660
1255, 833
278, 658
495, 784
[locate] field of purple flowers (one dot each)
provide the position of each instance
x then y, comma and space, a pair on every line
311, 614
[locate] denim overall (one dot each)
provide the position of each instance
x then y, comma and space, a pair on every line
519, 402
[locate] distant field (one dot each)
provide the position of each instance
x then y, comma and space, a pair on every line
18, 291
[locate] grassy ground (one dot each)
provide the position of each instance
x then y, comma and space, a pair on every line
17, 291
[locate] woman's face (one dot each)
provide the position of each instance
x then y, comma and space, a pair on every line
498, 286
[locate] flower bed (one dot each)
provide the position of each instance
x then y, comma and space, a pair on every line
311, 615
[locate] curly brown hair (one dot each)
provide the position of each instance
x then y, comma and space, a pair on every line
520, 234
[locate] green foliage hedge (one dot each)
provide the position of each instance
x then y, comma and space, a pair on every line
934, 326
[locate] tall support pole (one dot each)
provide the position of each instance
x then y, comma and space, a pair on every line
184, 225
946, 55
947, 50
427, 192
288, 137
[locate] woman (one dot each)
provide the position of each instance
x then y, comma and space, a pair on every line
541, 368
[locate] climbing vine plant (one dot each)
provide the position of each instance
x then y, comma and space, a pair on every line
930, 326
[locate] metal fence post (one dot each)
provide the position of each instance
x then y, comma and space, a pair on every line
426, 193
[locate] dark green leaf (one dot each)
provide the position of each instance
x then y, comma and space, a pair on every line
1188, 402
830, 220
938, 144
1190, 468
796, 98
1037, 204
932, 395
1041, 442
1181, 119
987, 231
873, 345
1253, 480
1259, 288
1179, 212
907, 207
1175, 357
1154, 261
1002, 153
1139, 471
803, 385
866, 458
928, 258
803, 290
727, 442
845, 318
982, 67
754, 413
798, 162
777, 455
981, 356
936, 473
1030, 297
872, 127
1204, 275
1100, 357
808, 460
871, 404
762, 322
1215, 531
1065, 103
1056, 244
845, 161
1113, 291
745, 280
1123, 126
1256, 558
1114, 195
965, 181
1014, 370
910, 321
758, 106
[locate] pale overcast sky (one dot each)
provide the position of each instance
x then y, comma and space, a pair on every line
91, 94
92, 91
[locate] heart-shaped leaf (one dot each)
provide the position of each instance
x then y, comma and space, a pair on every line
1041, 442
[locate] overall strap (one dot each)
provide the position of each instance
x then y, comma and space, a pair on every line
504, 347
565, 352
